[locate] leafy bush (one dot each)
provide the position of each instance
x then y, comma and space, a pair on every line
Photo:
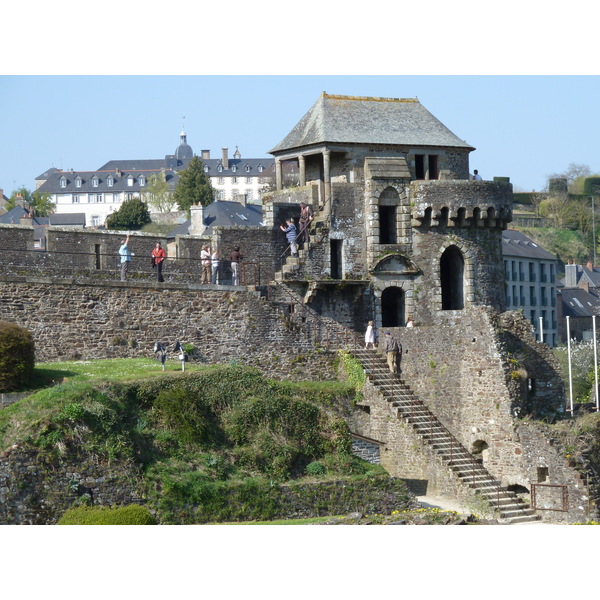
315, 468
17, 356
188, 416
133, 214
91, 515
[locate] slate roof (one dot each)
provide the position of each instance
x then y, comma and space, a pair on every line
590, 275
587, 275
576, 302
67, 220
120, 184
14, 216
515, 243
240, 167
365, 120
224, 214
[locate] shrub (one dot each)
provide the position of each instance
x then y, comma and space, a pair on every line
17, 356
315, 468
91, 515
133, 214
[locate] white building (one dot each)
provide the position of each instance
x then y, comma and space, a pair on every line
101, 192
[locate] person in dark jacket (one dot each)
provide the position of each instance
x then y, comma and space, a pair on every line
393, 351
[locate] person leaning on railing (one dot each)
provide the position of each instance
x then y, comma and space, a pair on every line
205, 257
236, 258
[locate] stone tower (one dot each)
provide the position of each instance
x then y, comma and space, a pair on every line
403, 226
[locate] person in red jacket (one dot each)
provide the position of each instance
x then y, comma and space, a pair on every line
158, 256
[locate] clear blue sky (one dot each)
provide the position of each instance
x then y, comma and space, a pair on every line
523, 127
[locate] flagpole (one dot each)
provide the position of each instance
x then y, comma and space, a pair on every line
570, 370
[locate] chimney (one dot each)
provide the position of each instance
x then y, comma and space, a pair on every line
589, 265
225, 158
197, 226
570, 276
118, 172
585, 285
205, 154
243, 200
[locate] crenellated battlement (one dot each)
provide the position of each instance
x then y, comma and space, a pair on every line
461, 203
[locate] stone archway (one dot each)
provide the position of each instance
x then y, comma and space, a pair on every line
393, 307
452, 268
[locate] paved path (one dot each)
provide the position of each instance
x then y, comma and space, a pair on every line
443, 502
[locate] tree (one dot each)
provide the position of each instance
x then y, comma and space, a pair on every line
194, 186
157, 194
40, 203
133, 214
574, 174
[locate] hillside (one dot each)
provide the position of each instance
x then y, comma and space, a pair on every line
220, 444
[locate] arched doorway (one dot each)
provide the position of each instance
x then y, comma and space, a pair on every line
452, 267
392, 307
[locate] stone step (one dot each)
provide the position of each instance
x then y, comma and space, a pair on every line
469, 470
524, 519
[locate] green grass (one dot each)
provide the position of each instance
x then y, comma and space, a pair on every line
310, 521
117, 369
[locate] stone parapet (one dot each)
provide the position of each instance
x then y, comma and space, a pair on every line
461, 203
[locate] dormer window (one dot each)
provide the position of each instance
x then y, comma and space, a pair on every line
247, 167
205, 168
130, 180
95, 182
78, 182
142, 180
110, 181
63, 182
260, 168
233, 168
220, 168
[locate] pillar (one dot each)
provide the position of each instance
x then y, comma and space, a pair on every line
302, 167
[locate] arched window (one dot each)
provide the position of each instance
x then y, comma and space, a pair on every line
452, 266
392, 307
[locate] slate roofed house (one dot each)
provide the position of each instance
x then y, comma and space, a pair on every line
530, 273
219, 214
579, 299
99, 193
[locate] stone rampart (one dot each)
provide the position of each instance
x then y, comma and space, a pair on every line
80, 321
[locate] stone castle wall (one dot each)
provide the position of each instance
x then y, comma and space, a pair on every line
475, 377
72, 321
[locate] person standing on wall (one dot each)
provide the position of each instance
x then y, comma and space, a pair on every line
306, 216
205, 258
158, 256
236, 258
125, 253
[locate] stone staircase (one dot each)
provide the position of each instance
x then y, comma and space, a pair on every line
319, 228
425, 424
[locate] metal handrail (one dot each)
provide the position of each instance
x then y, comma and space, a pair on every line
89, 264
